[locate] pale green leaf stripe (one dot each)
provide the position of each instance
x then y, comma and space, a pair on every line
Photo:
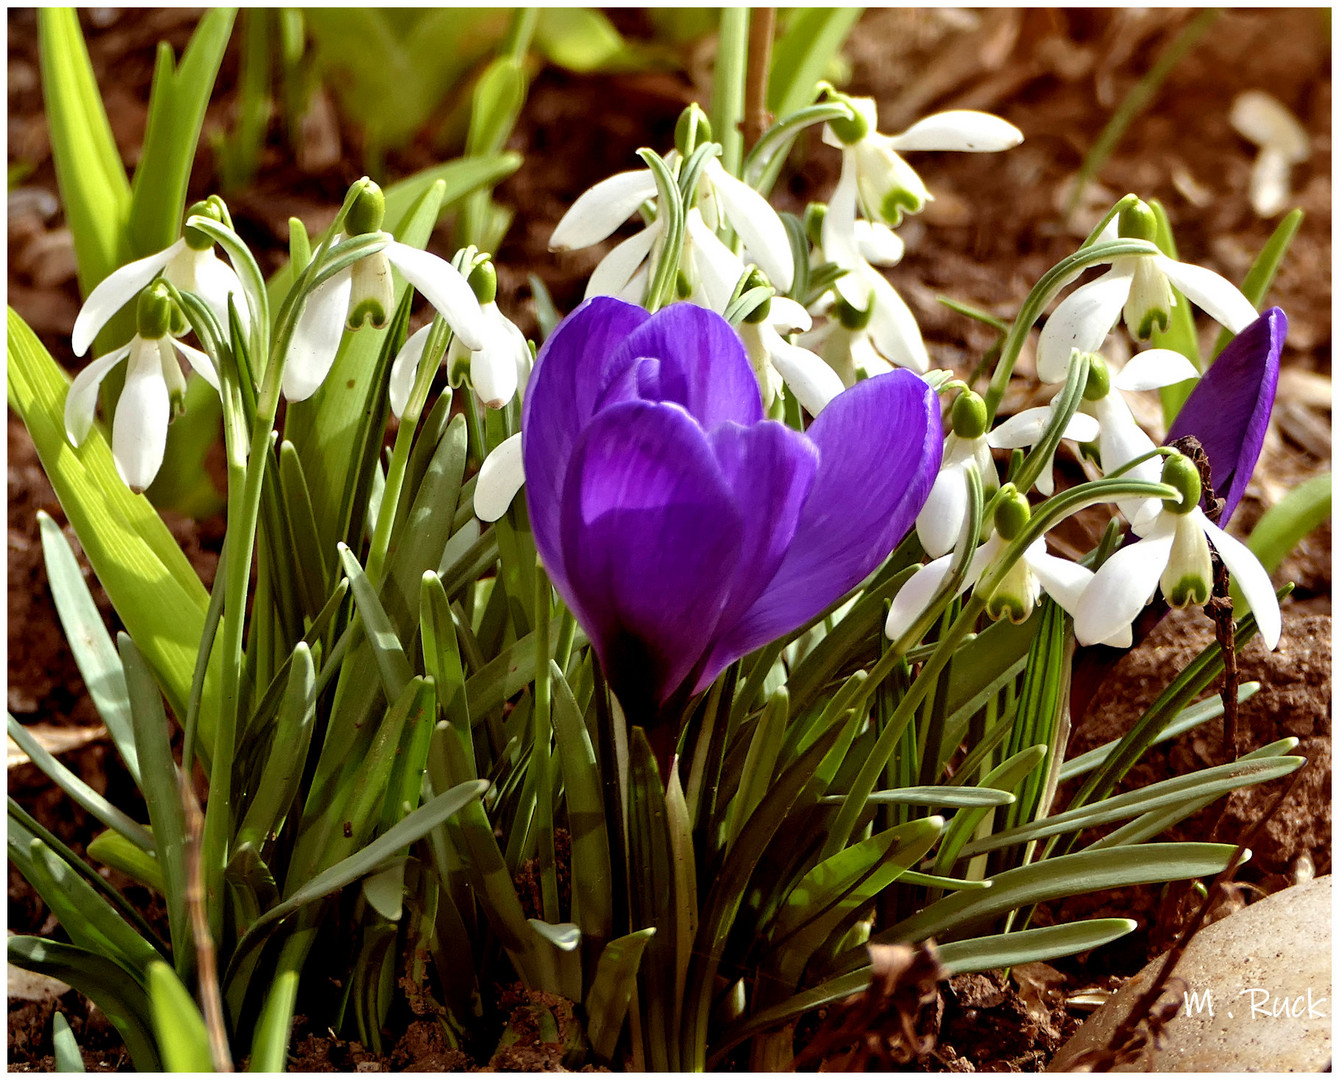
79, 791
177, 1023
92, 646
106, 983
935, 796
156, 593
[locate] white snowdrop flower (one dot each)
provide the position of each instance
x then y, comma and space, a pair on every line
1140, 287
942, 518
500, 478
1025, 429
1266, 121
189, 265
152, 394
776, 360
364, 292
887, 185
1173, 555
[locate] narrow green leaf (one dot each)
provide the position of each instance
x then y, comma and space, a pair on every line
579, 39
392, 664
508, 673
756, 778
945, 797
1260, 276
69, 1058
813, 38
104, 982
1029, 946
1006, 776
611, 990
1282, 527
114, 850
182, 1036
313, 569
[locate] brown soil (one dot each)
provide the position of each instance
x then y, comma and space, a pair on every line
994, 227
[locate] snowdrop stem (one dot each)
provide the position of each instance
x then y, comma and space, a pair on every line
1055, 279
764, 160
1064, 406
727, 95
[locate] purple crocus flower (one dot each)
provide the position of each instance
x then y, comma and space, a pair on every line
1228, 411
682, 528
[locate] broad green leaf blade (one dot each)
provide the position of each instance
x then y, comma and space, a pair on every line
611, 990
92, 646
392, 663
114, 850
1065, 875
1282, 527
580, 39
1029, 946
104, 982
182, 1036
813, 38
152, 585
1260, 277
94, 191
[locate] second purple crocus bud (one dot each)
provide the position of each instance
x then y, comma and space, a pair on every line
682, 528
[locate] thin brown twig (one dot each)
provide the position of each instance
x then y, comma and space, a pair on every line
211, 1003
756, 117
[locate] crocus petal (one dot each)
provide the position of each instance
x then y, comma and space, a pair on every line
139, 430
445, 288
913, 597
1154, 368
572, 371
893, 328
602, 209
651, 542
405, 369
614, 272
1123, 585
1211, 292
879, 445
1082, 321
1229, 410
692, 357
200, 362
500, 478
316, 337
81, 402
808, 376
757, 224
113, 292
940, 522
1064, 581
958, 129
1250, 577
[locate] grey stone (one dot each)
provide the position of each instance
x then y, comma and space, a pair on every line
1258, 994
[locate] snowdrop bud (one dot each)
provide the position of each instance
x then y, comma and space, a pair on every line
692, 130
1099, 379
483, 280
1188, 578
1012, 514
153, 316
1180, 472
969, 415
367, 212
1138, 222
212, 208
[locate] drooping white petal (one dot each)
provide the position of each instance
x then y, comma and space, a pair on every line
788, 315
200, 362
718, 269
500, 478
493, 368
878, 244
839, 239
1121, 441
1064, 581
404, 369
1250, 577
1211, 292
139, 430
602, 209
1154, 368
941, 520
1082, 321
1022, 429
1082, 428
81, 402
913, 597
444, 287
617, 269
213, 280
959, 129
893, 328
316, 337
809, 378
173, 379
757, 224
113, 292
1123, 585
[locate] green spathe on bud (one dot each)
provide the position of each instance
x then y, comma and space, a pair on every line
155, 313
483, 280
692, 130
213, 208
368, 210
852, 129
1138, 222
969, 415
1180, 472
1012, 513
1098, 385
